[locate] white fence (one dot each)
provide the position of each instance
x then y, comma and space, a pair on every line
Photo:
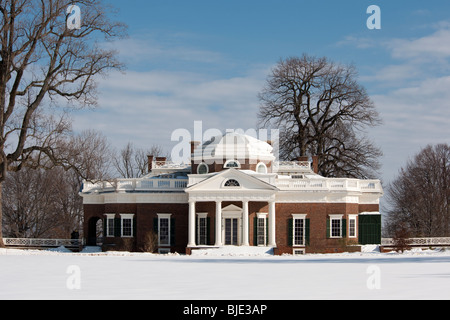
428, 242
28, 242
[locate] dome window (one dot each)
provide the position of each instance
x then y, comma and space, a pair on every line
261, 168
232, 164
202, 168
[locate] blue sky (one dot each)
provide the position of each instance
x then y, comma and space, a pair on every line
206, 60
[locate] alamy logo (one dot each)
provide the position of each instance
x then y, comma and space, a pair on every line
74, 17
374, 21
73, 282
374, 279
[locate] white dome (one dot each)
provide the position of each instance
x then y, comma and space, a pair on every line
235, 146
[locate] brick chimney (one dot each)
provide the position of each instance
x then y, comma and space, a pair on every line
150, 163
160, 161
315, 164
194, 145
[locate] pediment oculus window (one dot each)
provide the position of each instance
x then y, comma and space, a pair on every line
231, 183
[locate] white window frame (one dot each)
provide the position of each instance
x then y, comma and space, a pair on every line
298, 216
336, 217
352, 218
262, 216
109, 232
298, 251
126, 216
202, 215
162, 216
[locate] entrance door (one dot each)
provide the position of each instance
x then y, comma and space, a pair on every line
231, 231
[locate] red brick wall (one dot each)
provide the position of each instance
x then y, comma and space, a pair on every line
317, 213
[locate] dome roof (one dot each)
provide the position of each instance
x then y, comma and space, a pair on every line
234, 145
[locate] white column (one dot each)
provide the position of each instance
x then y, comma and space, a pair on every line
272, 224
191, 241
245, 224
218, 223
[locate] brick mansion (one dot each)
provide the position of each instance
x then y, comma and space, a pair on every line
225, 200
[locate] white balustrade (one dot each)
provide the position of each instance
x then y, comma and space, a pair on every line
432, 241
140, 184
33, 242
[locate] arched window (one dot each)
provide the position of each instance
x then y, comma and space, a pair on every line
232, 164
261, 168
202, 168
232, 183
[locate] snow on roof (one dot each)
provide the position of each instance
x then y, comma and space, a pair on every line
232, 145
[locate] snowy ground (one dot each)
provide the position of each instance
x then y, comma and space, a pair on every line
57, 274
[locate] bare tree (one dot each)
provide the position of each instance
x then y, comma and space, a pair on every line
321, 110
46, 66
45, 202
31, 206
419, 197
131, 162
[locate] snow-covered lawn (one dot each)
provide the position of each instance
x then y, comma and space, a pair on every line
223, 275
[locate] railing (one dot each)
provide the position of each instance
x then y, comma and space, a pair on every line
329, 184
437, 241
293, 165
29, 242
140, 184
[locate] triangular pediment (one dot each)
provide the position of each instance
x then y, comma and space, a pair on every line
231, 208
231, 180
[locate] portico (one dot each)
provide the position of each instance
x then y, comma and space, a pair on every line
231, 222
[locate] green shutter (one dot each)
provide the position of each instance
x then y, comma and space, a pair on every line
208, 224
117, 227
134, 226
255, 231
344, 228
155, 225
290, 226
105, 227
328, 228
172, 231
267, 230
197, 233
307, 232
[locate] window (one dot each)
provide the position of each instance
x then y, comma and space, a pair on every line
202, 168
127, 224
335, 226
352, 226
298, 229
261, 229
164, 229
232, 183
202, 228
109, 232
232, 164
261, 168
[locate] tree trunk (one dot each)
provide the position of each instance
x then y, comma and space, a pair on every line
2, 245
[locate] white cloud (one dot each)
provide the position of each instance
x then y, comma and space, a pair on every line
436, 45
413, 95
146, 107
413, 117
